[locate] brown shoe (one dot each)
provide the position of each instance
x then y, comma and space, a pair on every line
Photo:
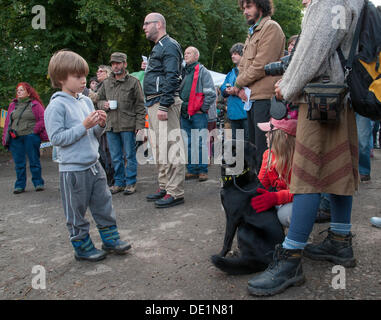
116, 189
190, 176
130, 189
202, 177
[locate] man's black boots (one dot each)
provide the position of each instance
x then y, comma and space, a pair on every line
285, 271
336, 248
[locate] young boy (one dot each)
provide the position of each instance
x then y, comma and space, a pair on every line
74, 127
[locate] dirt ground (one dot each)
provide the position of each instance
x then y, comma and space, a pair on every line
171, 248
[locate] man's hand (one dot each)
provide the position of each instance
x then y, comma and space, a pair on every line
141, 135
91, 120
242, 95
278, 93
233, 91
144, 65
106, 105
102, 116
162, 115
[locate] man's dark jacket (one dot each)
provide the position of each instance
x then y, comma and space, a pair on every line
163, 74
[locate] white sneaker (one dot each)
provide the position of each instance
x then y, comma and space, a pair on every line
376, 221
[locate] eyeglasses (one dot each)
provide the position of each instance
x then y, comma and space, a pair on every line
149, 22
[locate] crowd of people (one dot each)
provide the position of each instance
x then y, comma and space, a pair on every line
309, 170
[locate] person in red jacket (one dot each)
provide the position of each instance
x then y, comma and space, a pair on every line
275, 171
24, 129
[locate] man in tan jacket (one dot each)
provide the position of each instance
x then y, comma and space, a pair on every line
265, 44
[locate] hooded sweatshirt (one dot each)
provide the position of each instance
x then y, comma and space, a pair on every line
77, 147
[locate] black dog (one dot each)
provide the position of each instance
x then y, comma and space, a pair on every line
257, 233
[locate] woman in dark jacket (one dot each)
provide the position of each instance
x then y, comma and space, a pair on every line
24, 130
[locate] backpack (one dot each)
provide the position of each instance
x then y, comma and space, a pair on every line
363, 70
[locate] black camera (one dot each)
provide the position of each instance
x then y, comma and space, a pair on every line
278, 109
281, 109
278, 68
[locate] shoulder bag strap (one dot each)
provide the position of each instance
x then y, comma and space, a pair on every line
18, 120
348, 64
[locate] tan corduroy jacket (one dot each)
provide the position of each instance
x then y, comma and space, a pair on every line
265, 45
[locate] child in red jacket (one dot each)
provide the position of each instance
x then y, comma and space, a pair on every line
275, 172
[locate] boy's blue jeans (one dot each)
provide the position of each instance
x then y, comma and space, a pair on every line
196, 125
21, 147
123, 144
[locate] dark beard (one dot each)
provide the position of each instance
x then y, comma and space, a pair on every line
253, 21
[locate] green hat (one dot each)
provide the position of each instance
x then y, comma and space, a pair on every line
118, 57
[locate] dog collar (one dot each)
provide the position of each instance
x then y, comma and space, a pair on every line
226, 179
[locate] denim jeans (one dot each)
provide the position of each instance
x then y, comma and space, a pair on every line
304, 211
196, 138
122, 144
240, 124
376, 129
21, 147
365, 136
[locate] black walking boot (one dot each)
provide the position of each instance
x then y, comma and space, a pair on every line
285, 271
336, 248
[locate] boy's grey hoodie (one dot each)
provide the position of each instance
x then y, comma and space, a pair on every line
77, 147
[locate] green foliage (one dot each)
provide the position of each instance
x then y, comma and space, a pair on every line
96, 28
288, 13
2, 148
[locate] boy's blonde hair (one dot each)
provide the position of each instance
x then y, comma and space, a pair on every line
283, 147
64, 63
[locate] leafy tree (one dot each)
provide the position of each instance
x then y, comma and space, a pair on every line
288, 13
225, 26
96, 28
